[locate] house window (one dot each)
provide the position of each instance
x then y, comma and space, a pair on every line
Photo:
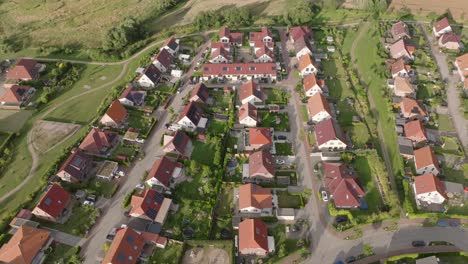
252, 68
238, 68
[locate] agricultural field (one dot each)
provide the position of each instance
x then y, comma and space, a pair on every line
458, 8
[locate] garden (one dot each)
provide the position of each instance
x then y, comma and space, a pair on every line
172, 254
144, 124
285, 246
61, 253
284, 149
80, 222
288, 200
224, 211
278, 121
128, 150
276, 96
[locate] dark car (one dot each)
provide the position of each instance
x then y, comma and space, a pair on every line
418, 243
350, 259
282, 137
341, 219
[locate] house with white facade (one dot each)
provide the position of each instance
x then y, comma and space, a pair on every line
248, 115
329, 136
172, 45
307, 65
426, 161
312, 85
254, 199
251, 92
163, 171
428, 189
441, 27
302, 47
163, 60
253, 239
263, 36
318, 108
149, 77
191, 117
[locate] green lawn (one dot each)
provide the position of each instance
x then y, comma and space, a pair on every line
13, 120
102, 188
287, 200
364, 171
337, 87
450, 146
359, 134
216, 127
445, 123
283, 149
62, 253
170, 255
283, 245
195, 215
276, 96
304, 113
203, 153
455, 175
224, 209
82, 219
270, 120
137, 120
127, 150
3, 137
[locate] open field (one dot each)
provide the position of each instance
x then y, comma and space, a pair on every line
47, 134
212, 252
13, 120
458, 8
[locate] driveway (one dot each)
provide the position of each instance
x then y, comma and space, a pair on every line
64, 238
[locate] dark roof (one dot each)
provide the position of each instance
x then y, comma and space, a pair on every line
405, 146
152, 73
201, 91
328, 130
171, 43
301, 43
165, 58
131, 93
76, 165
193, 112
441, 24
162, 170
179, 141
450, 37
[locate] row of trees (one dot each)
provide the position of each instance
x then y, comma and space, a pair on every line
232, 17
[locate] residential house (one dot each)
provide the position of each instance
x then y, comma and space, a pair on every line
329, 136
307, 66
115, 116
179, 144
27, 245
261, 167
199, 94
99, 142
251, 92
405, 147
400, 30
220, 56
171, 45
234, 38
441, 27
254, 239
150, 205
238, 71
415, 131
263, 36
461, 63
264, 54
426, 161
412, 109
75, 168
53, 205
149, 77
428, 189
16, 95
248, 115
126, 247
163, 171
191, 117
131, 96
399, 68
24, 70
163, 60
107, 170
312, 85
221, 45
296, 33
450, 41
255, 199
342, 186
402, 49
402, 87
258, 138
302, 47
318, 108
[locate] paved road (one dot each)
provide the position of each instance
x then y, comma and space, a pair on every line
453, 94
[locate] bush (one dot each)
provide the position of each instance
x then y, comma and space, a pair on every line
128, 199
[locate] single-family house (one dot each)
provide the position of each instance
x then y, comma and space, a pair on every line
253, 238
461, 63
400, 30
402, 87
399, 68
238, 71
24, 70
261, 167
191, 117
163, 171
115, 116
412, 109
318, 108
255, 199
450, 41
27, 245
163, 60
307, 66
75, 168
248, 115
16, 95
402, 49
264, 36
426, 161
179, 144
312, 85
264, 54
171, 45
302, 47
234, 38
99, 142
441, 27
199, 94
221, 45
329, 136
298, 32
405, 148
220, 56
342, 186
131, 96
429, 189
150, 205
126, 247
415, 131
149, 77
258, 138
53, 205
251, 92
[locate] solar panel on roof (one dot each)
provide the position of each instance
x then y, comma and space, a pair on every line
151, 213
206, 68
148, 200
48, 201
130, 239
121, 257
238, 68
252, 68
225, 68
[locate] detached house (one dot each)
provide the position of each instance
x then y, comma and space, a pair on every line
115, 116
233, 38
307, 66
329, 136
26, 246
296, 33
75, 168
16, 95
401, 49
172, 45
461, 63
24, 70
400, 30
425, 161
199, 94
428, 189
238, 71
263, 36
131, 96
53, 205
254, 239
179, 144
450, 41
302, 47
261, 167
251, 92
150, 205
99, 142
441, 27
415, 131
318, 108
126, 247
163, 60
399, 68
150, 77
191, 117
312, 85
342, 185
162, 172
255, 199
248, 115
412, 109
257, 138
402, 87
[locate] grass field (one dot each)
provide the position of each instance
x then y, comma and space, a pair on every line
286, 200
170, 255
203, 153
13, 120
458, 8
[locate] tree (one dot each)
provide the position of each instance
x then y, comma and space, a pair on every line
127, 32
368, 250
298, 12
237, 17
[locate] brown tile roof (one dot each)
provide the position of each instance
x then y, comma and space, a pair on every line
398, 66
117, 112
251, 88
317, 103
264, 50
415, 131
342, 185
309, 82
260, 136
299, 32
235, 69
220, 45
410, 106
15, 93
403, 85
201, 91
462, 62
125, 248
425, 157
24, 69
429, 183
441, 24
328, 130
147, 203
400, 29
220, 52
258, 36
24, 245
162, 170
54, 201
450, 37
247, 110
253, 233
252, 195
261, 162
300, 44
400, 46
224, 32
98, 141
237, 37
305, 61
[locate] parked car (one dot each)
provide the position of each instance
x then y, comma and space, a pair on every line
140, 140
341, 219
418, 243
91, 198
281, 137
140, 186
280, 162
88, 203
324, 196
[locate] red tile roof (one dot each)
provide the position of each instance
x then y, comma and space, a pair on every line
98, 141
116, 112
429, 183
237, 37
300, 44
224, 32
220, 52
147, 203
450, 37
162, 170
410, 107
260, 136
258, 36
304, 62
24, 245
462, 62
253, 233
261, 162
235, 69
342, 185
247, 110
220, 45
201, 91
328, 130
252, 195
441, 24
165, 58
54, 201
299, 32
264, 51
15, 93
400, 29
125, 248
415, 131
251, 88
309, 82
25, 69
425, 157
317, 103
398, 66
